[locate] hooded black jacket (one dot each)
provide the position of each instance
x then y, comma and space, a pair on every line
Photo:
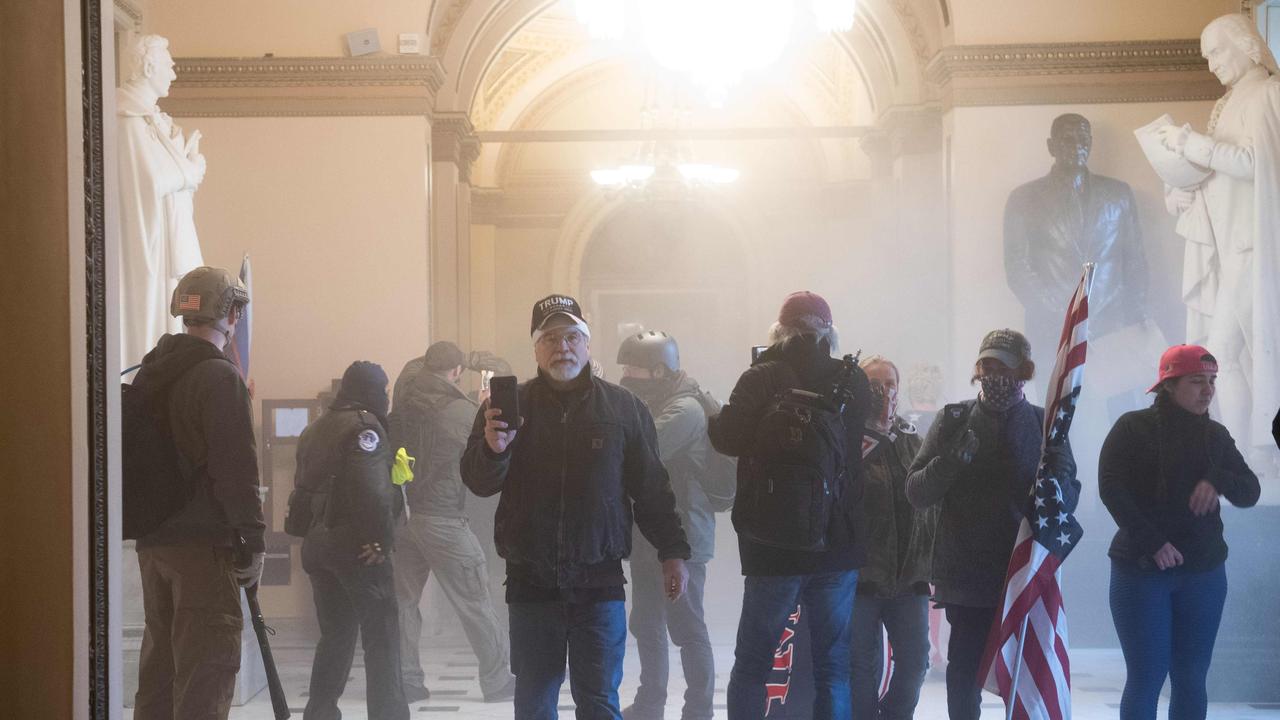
212, 424
583, 461
733, 432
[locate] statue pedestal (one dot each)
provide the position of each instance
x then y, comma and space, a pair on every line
252, 677
1244, 668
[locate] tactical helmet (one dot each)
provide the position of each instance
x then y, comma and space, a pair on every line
207, 294
650, 349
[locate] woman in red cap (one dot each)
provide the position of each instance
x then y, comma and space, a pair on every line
1160, 475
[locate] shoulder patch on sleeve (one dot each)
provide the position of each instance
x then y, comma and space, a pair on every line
367, 440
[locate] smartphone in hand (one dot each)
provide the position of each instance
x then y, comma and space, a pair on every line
503, 396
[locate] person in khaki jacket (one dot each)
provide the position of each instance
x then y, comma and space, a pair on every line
191, 570
431, 418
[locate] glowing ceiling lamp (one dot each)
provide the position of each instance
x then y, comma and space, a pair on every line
712, 42
661, 172
604, 19
715, 42
835, 15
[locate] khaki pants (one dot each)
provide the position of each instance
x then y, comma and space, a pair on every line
448, 547
191, 647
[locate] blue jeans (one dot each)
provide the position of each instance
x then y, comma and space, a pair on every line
1167, 622
906, 619
594, 638
827, 602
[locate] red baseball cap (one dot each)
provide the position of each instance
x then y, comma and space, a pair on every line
1182, 360
801, 305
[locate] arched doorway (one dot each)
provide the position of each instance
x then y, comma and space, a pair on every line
676, 267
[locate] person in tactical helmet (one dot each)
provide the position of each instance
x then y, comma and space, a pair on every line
343, 488
651, 370
191, 571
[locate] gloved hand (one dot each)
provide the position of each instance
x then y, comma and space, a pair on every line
963, 450
248, 568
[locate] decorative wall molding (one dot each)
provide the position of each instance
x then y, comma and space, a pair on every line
305, 86
130, 9
1072, 73
453, 139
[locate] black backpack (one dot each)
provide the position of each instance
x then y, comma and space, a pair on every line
795, 475
156, 481
720, 474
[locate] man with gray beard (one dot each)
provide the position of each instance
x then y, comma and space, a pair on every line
574, 468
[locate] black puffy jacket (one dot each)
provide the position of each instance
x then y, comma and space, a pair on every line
733, 432
1150, 464
583, 464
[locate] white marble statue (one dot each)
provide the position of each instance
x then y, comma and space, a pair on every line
159, 173
1231, 222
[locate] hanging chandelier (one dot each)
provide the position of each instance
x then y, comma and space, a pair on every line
713, 43
663, 171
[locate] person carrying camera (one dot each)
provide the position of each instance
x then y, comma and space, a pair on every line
795, 510
431, 419
977, 466
574, 466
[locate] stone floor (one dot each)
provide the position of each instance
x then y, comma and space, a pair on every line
451, 675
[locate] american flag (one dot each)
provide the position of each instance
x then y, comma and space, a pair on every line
1026, 660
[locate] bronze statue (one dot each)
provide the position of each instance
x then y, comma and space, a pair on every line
1055, 224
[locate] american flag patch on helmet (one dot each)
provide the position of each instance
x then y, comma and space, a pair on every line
188, 302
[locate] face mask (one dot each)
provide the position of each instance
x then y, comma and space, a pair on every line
1000, 392
645, 388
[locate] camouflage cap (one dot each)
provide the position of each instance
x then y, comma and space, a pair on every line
207, 293
1008, 346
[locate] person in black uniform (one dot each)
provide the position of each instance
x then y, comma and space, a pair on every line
344, 463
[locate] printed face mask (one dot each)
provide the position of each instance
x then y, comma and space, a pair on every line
1000, 392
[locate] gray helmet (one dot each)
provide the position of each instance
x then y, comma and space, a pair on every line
650, 349
207, 293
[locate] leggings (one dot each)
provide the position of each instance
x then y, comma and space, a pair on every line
1167, 622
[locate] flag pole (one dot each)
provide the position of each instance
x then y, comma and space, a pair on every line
1088, 269
1017, 670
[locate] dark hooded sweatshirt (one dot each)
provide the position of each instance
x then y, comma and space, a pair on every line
212, 424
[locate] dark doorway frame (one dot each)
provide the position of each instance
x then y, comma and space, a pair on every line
95, 278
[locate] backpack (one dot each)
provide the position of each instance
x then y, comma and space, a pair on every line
795, 476
720, 474
155, 480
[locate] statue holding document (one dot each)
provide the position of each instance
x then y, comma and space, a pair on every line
159, 171
1224, 185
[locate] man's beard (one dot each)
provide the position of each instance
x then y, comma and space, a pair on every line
564, 371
